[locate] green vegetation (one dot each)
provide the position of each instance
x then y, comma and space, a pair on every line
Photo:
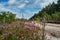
19, 33
6, 17
52, 12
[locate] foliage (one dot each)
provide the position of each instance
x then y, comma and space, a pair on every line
56, 16
52, 12
19, 33
6, 17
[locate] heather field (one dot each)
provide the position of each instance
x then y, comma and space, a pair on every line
19, 31
29, 19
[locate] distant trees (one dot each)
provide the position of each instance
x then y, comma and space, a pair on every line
48, 17
56, 16
58, 5
7, 17
51, 8
52, 12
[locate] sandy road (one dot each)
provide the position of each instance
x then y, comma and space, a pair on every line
52, 31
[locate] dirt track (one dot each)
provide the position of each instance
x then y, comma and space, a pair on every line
52, 31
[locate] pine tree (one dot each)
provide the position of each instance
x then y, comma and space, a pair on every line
58, 5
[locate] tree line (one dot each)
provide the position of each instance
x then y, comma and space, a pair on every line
52, 12
7, 17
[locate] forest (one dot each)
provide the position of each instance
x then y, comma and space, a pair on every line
51, 12
7, 17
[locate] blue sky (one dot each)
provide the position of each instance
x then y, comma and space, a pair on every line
26, 7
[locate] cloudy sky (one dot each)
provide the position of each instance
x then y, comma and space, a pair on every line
26, 7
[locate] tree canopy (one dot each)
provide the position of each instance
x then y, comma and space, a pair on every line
6, 17
52, 12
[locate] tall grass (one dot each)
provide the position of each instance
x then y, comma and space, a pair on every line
19, 33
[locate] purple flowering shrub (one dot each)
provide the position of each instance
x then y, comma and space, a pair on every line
19, 33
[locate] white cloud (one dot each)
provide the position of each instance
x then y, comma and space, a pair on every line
21, 5
26, 1
2, 8
46, 2
41, 3
11, 1
28, 14
27, 4
37, 1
